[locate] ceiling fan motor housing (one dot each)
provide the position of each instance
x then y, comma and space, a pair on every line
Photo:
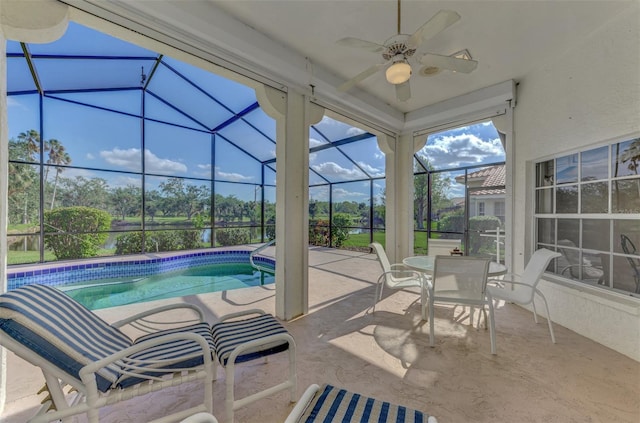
397, 45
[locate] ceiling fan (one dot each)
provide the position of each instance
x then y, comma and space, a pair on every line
397, 50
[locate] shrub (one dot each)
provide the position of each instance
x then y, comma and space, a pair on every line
319, 231
478, 243
232, 236
76, 232
131, 243
340, 229
451, 222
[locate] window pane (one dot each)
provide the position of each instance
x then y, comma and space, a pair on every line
174, 151
595, 234
24, 249
367, 155
626, 158
544, 200
625, 196
94, 138
233, 165
447, 205
567, 199
569, 231
351, 204
546, 231
567, 169
544, 174
24, 198
595, 197
629, 229
626, 273
175, 202
379, 203
595, 164
23, 114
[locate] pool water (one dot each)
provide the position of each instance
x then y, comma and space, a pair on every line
197, 280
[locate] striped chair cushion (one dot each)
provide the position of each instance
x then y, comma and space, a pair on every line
61, 330
174, 354
229, 334
332, 404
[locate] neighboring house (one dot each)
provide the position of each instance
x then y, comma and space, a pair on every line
486, 189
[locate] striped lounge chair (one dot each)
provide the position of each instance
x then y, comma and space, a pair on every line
328, 404
73, 346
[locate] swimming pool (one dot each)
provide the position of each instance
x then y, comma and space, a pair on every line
199, 280
127, 279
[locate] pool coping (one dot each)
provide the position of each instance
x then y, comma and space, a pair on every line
62, 273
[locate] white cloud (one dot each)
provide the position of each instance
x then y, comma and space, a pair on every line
130, 160
204, 170
331, 170
355, 131
372, 171
315, 142
463, 150
233, 177
343, 194
90, 156
12, 101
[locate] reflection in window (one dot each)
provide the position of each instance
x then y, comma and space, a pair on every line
567, 169
594, 197
594, 165
567, 199
597, 242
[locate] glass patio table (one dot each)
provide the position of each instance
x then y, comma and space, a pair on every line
425, 264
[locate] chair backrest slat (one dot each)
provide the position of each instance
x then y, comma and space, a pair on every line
460, 276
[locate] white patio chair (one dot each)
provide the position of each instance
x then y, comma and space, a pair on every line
397, 276
460, 280
200, 418
73, 346
329, 404
521, 289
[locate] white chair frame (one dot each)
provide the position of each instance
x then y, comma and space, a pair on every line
89, 399
232, 404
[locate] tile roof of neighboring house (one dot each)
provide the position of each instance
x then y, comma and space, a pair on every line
494, 176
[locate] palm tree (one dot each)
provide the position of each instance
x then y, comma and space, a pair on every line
31, 140
57, 156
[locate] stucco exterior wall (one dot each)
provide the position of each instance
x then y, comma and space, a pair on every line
576, 100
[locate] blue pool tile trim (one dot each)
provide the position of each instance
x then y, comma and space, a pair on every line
67, 274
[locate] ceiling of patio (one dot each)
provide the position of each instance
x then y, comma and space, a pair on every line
507, 38
293, 42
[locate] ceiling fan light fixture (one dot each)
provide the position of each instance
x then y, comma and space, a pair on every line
398, 73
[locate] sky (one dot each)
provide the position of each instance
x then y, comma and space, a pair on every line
183, 105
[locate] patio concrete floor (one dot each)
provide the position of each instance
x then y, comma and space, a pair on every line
387, 355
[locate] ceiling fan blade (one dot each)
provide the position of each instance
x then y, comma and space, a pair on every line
362, 44
439, 22
361, 76
448, 62
403, 91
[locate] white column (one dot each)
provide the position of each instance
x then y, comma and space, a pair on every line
36, 21
399, 195
294, 114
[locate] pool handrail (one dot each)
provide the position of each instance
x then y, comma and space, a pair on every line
258, 250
